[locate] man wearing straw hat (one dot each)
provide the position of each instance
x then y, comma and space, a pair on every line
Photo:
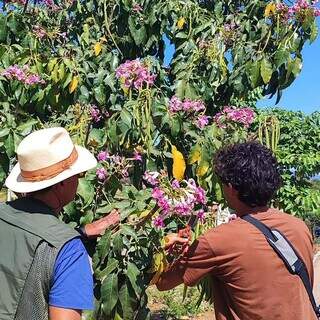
44, 267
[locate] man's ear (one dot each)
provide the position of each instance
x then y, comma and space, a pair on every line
232, 190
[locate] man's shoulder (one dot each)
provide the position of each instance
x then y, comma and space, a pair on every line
225, 233
281, 218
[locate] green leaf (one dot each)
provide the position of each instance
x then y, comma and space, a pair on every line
254, 73
296, 66
176, 126
26, 127
266, 70
180, 88
126, 117
103, 245
86, 191
133, 274
281, 57
3, 28
138, 32
127, 299
9, 145
117, 243
117, 317
314, 32
4, 132
100, 94
109, 293
128, 231
88, 218
97, 137
111, 266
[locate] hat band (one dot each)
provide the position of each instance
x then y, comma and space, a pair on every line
51, 171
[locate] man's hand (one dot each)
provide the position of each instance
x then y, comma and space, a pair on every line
173, 239
97, 228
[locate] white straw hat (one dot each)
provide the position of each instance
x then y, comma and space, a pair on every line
46, 157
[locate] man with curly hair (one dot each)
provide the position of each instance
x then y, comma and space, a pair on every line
249, 280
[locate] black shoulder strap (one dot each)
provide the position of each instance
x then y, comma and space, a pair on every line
282, 246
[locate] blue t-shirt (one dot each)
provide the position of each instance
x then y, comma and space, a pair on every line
72, 283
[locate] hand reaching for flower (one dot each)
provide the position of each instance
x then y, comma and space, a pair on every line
176, 243
98, 227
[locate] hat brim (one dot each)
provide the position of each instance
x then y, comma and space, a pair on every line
17, 183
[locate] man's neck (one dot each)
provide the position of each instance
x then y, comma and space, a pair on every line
48, 200
244, 210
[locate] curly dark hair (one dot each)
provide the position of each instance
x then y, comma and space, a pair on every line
251, 169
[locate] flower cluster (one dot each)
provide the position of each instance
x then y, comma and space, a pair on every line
299, 9
39, 32
183, 198
96, 114
135, 74
137, 8
202, 121
22, 74
188, 107
112, 165
244, 116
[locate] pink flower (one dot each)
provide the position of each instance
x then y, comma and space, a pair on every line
125, 173
175, 184
101, 174
244, 116
103, 156
201, 215
157, 193
137, 156
151, 177
158, 222
137, 8
164, 205
187, 105
135, 74
95, 113
22, 74
39, 32
183, 208
175, 104
33, 79
202, 121
200, 195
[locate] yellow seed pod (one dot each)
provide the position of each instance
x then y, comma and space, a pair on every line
181, 22
179, 165
73, 84
270, 9
195, 155
125, 90
202, 168
97, 48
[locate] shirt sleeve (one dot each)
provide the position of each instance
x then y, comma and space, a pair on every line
72, 282
194, 265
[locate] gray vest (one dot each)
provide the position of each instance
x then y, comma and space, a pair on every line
30, 239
